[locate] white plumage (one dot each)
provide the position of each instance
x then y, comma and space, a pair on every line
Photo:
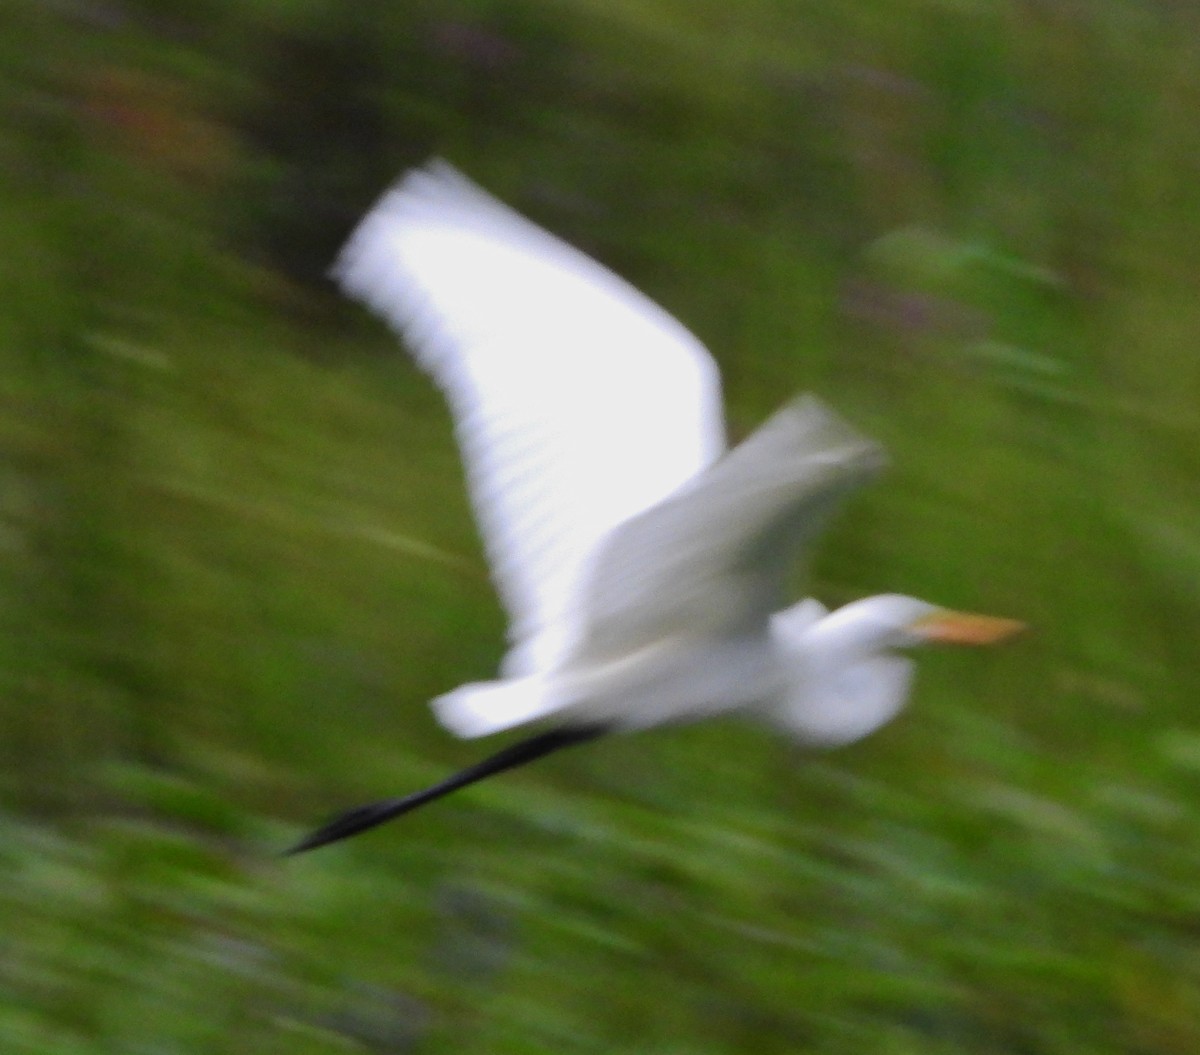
589, 420
577, 402
641, 565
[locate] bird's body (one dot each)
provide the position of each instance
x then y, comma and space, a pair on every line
673, 623
642, 566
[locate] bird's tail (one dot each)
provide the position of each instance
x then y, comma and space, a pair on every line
486, 707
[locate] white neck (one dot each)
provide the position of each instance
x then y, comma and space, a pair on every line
842, 682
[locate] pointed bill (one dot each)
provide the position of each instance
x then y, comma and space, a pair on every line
966, 628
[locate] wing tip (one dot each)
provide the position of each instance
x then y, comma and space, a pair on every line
373, 266
824, 429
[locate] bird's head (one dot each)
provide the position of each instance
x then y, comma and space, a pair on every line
892, 621
847, 680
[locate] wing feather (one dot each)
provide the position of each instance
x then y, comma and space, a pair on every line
578, 402
714, 558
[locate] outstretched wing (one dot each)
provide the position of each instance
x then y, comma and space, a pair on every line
578, 402
714, 558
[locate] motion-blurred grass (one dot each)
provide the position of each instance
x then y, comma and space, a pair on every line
235, 557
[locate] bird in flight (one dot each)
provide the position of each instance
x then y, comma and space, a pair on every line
642, 565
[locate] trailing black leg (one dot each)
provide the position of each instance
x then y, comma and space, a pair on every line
524, 751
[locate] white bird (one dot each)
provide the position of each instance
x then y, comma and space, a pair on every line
642, 565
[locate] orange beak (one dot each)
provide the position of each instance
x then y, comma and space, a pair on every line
965, 628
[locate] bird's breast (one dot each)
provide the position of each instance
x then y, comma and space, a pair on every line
676, 679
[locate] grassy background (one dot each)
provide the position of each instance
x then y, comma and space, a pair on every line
235, 558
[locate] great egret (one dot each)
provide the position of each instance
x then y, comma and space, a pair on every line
641, 565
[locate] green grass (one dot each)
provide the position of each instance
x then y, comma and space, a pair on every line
236, 559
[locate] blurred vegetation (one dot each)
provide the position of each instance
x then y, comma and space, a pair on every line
235, 558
